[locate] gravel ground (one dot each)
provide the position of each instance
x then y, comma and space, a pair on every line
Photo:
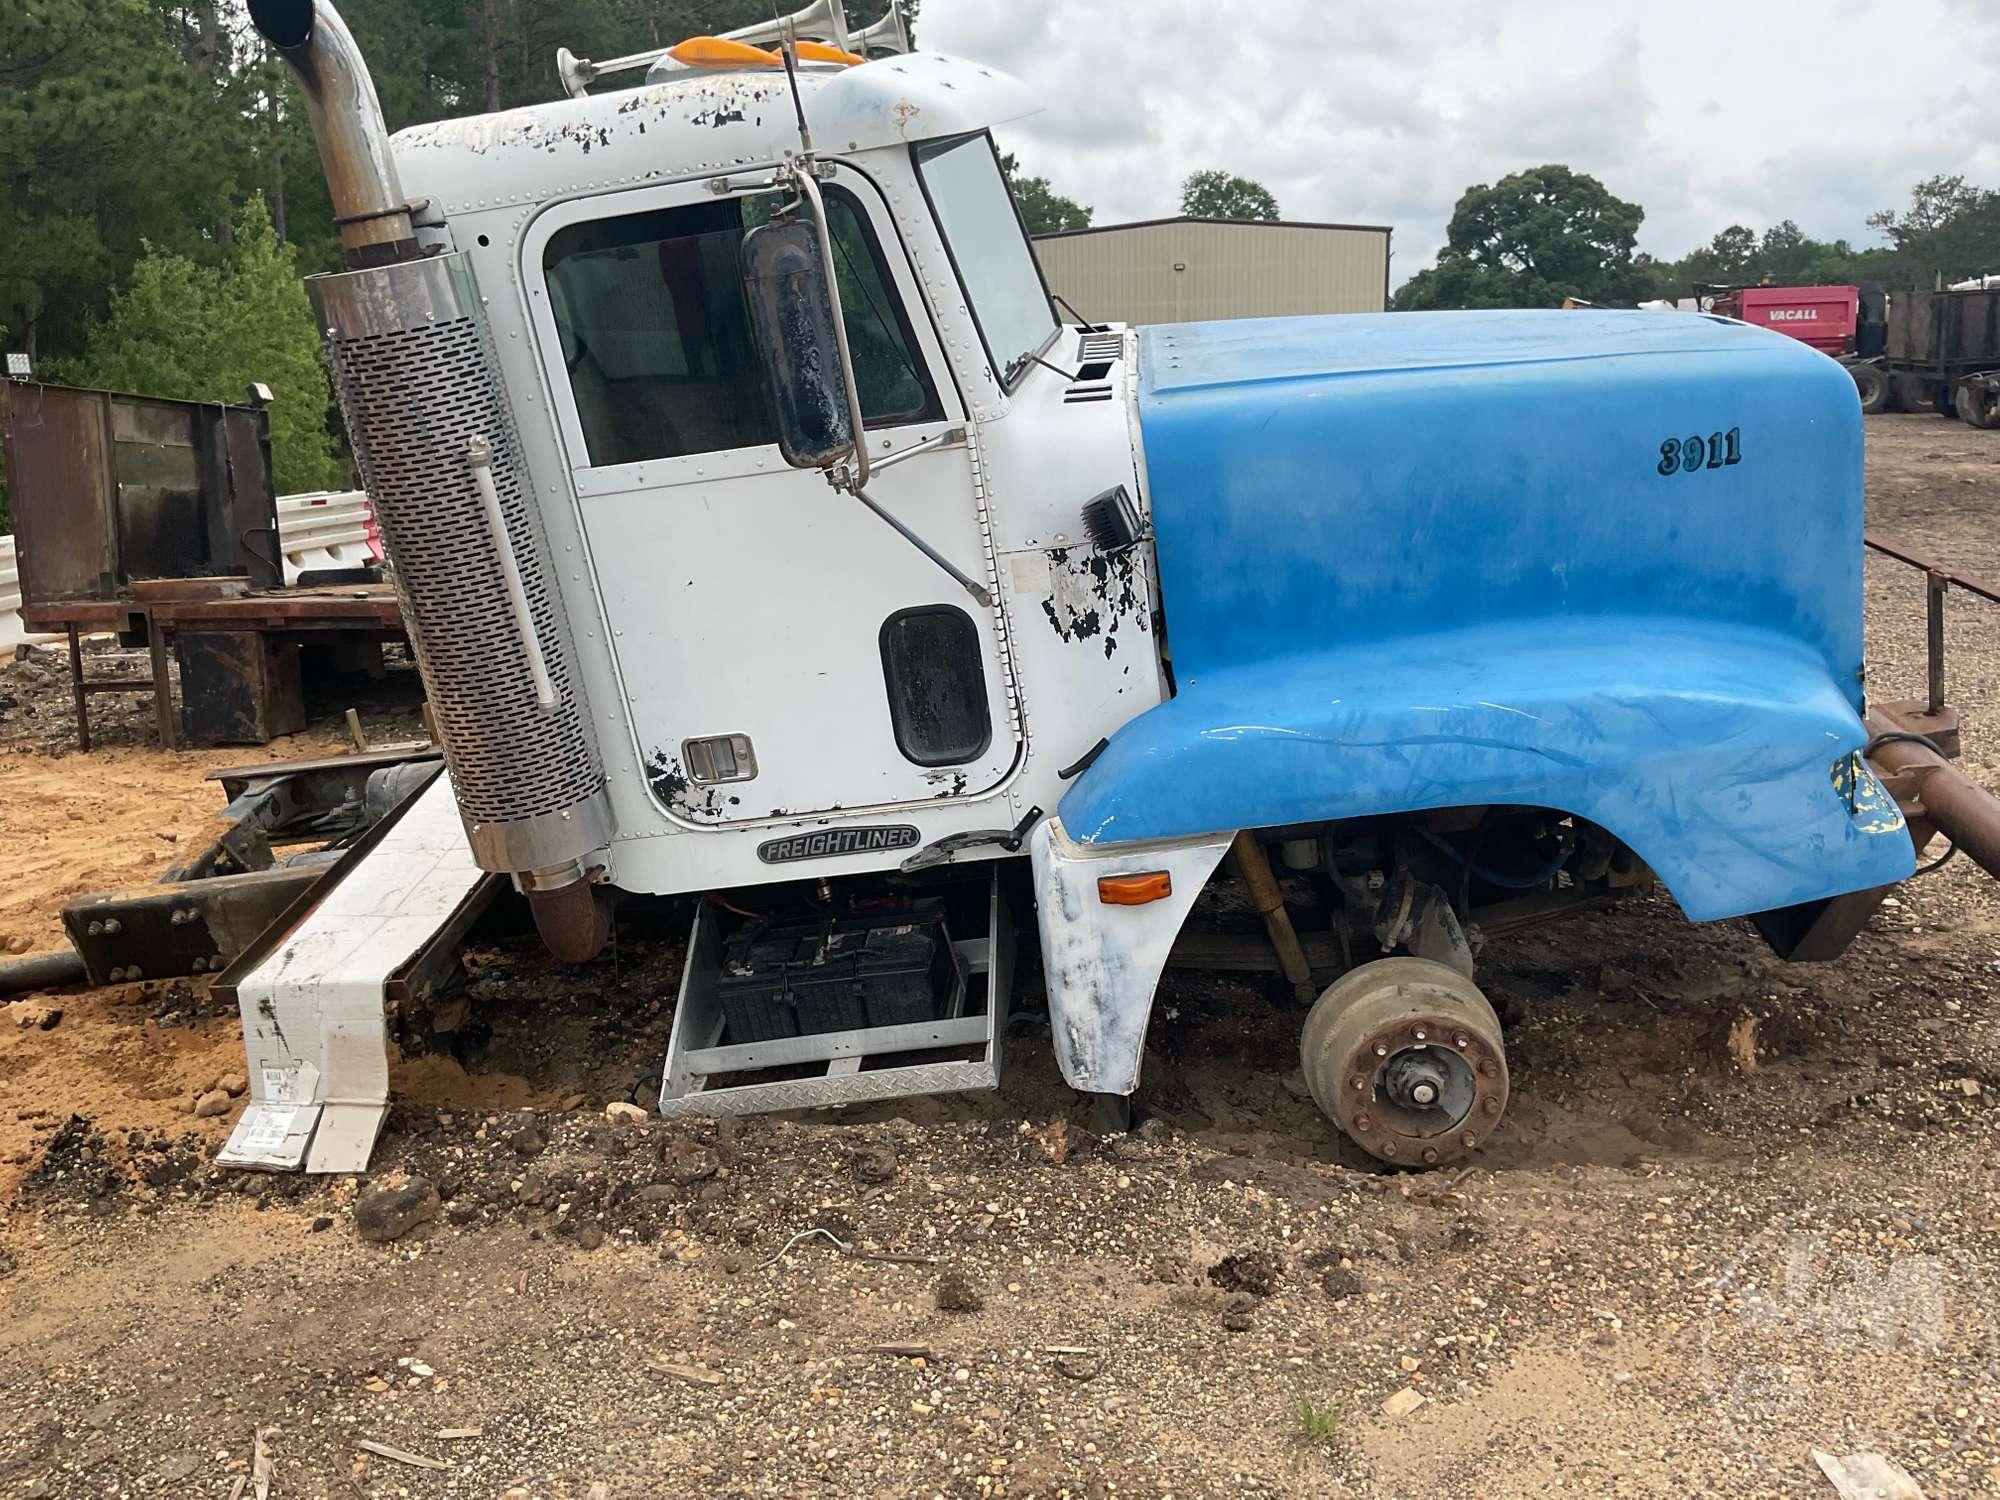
1739, 1211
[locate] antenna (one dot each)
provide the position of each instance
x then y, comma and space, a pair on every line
788, 49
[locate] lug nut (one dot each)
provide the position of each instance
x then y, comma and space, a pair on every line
1364, 1122
199, 965
111, 925
1381, 1049
1430, 1154
1418, 1032
117, 975
1493, 1106
94, 928
1470, 1140
1488, 1067
1388, 1148
133, 973
1357, 1082
1461, 1041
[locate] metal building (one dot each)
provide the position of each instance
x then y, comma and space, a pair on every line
1189, 270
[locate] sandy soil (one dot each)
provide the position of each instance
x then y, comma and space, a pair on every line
1738, 1211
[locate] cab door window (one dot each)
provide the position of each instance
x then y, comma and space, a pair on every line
655, 330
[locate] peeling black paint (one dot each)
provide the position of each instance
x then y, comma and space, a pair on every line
1093, 595
672, 785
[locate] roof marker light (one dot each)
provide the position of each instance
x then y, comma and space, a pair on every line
821, 53
720, 52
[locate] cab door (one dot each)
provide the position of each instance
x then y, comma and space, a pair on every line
781, 650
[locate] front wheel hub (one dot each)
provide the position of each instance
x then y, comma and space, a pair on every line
1405, 1055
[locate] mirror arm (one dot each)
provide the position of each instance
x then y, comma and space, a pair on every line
976, 590
802, 183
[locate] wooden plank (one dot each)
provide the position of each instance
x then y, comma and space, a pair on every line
188, 590
163, 682
398, 1455
261, 1465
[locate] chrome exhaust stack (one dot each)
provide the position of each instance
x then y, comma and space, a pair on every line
433, 431
368, 201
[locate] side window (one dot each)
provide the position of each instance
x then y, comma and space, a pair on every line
655, 330
937, 685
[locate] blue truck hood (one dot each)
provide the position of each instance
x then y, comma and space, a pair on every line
1603, 562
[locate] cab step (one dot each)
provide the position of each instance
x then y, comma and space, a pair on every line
710, 1073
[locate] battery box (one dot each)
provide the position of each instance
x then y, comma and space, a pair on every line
783, 978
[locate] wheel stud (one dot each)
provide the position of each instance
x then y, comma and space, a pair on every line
1418, 1032
1364, 1122
1430, 1154
1357, 1082
1461, 1041
1493, 1106
1470, 1140
1387, 1148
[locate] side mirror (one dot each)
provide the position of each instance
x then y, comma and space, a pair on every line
798, 340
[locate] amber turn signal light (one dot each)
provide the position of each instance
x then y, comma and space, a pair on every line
1135, 890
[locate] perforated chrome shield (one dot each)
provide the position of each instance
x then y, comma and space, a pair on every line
414, 367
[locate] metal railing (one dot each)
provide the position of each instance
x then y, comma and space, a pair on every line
1938, 581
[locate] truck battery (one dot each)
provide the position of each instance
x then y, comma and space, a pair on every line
800, 978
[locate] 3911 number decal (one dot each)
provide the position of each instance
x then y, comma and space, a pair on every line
1719, 450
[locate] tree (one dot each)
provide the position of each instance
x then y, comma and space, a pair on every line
204, 333
108, 139
1532, 239
1950, 230
1218, 195
1043, 209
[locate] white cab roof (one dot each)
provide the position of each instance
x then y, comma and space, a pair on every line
698, 124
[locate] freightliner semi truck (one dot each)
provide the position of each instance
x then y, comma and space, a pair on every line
769, 536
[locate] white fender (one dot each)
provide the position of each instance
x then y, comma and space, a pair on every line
1103, 962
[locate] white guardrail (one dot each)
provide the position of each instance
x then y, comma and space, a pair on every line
12, 631
327, 529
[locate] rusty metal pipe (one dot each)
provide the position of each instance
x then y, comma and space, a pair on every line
1961, 809
368, 202
1253, 867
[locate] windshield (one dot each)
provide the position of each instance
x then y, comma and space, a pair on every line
995, 264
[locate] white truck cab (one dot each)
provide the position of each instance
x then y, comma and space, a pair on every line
773, 673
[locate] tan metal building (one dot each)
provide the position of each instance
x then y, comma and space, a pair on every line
1188, 270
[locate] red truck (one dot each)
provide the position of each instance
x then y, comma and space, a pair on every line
1825, 317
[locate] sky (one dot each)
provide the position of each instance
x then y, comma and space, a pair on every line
1704, 112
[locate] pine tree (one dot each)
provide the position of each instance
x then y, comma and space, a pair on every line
204, 333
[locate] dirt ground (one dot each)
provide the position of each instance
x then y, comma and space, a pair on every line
1738, 1211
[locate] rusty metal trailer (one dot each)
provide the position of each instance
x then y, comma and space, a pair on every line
157, 520
1943, 353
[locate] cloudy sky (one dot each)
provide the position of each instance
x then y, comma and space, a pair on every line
1705, 112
